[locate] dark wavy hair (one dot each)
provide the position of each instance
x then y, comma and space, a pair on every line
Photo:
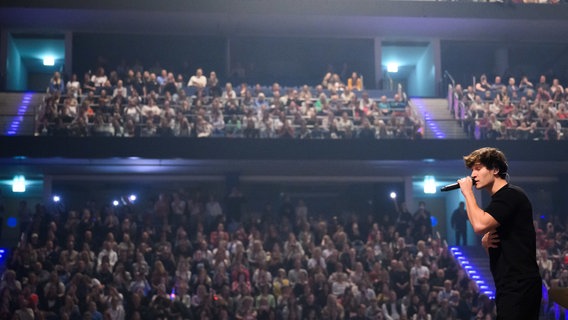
491, 158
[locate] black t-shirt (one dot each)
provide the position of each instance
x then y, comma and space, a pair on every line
515, 256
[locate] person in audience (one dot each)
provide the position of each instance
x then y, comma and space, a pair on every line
301, 278
228, 94
120, 90
151, 85
213, 85
99, 78
199, 81
482, 86
542, 84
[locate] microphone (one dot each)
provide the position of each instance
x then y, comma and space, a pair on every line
454, 186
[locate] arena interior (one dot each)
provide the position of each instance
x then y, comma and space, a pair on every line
271, 159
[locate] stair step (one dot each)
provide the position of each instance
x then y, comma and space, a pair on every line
17, 112
440, 123
474, 259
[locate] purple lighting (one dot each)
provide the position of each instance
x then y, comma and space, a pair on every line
471, 272
19, 118
439, 134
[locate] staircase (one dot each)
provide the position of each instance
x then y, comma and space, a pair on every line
439, 122
17, 112
475, 261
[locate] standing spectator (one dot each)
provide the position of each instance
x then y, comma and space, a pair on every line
422, 222
459, 223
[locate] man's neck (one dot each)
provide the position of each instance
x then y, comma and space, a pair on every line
497, 185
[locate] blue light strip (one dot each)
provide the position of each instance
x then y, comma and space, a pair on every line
472, 273
432, 124
3, 258
19, 118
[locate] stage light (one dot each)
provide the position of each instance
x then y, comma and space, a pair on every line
115, 203
56, 198
393, 195
49, 61
429, 185
132, 197
19, 184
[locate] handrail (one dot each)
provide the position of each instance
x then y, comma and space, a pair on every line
449, 76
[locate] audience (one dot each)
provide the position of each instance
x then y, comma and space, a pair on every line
151, 263
142, 103
524, 112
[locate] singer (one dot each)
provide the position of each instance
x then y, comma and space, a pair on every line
509, 234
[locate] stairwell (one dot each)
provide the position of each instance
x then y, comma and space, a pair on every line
17, 112
475, 261
438, 121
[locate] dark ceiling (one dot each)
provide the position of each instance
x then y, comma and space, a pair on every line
392, 20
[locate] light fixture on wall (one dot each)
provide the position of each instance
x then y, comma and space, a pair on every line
429, 184
19, 184
48, 61
392, 67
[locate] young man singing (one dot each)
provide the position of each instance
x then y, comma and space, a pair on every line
509, 234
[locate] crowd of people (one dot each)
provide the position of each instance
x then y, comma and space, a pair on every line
514, 110
145, 103
187, 255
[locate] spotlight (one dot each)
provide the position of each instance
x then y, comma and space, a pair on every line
56, 198
393, 195
115, 203
132, 197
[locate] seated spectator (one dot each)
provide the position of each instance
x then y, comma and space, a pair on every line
556, 90
525, 85
250, 125
73, 87
199, 81
497, 86
99, 78
217, 123
140, 285
246, 310
542, 84
162, 78
482, 86
228, 94
151, 85
170, 87
108, 252
332, 309
256, 255
241, 283
262, 278
120, 90
355, 82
